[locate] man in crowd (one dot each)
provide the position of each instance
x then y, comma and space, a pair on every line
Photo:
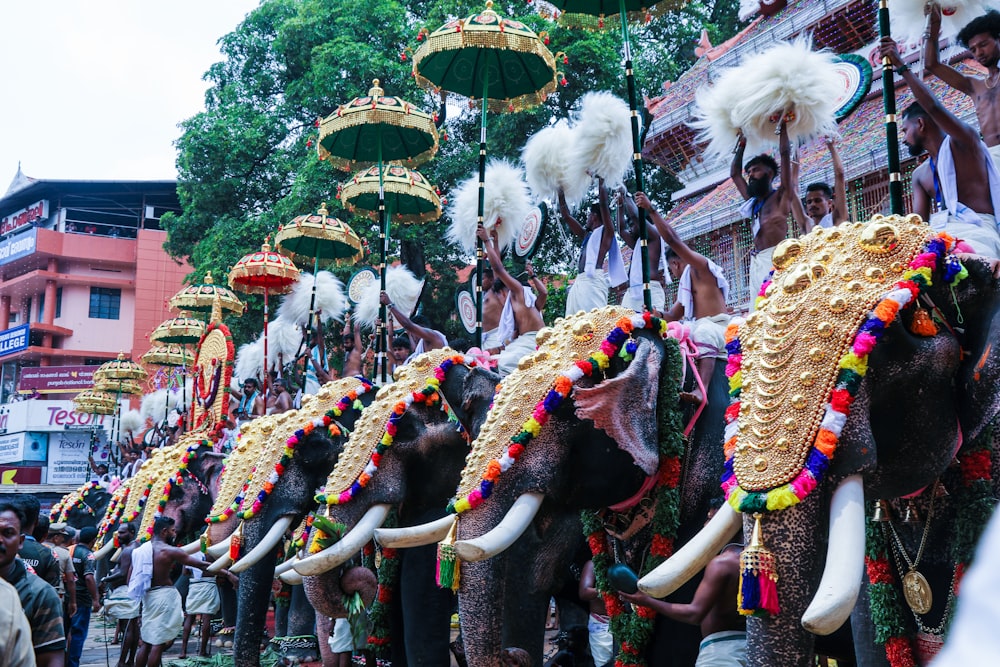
58, 538
822, 206
118, 604
251, 404
597, 243
982, 37
36, 555
519, 317
278, 399
15, 649
767, 208
634, 297
38, 599
162, 612
351, 339
958, 188
87, 599
422, 337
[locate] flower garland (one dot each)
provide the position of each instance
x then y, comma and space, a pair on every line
235, 505
758, 584
77, 501
190, 453
973, 502
616, 343
634, 630
301, 540
114, 511
142, 501
379, 638
430, 396
326, 421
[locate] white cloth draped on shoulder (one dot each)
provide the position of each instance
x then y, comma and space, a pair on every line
977, 228
685, 295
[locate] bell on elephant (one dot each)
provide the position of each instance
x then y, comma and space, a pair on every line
883, 512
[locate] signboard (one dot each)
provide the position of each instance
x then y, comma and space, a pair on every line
18, 246
26, 216
55, 379
11, 448
18, 447
68, 452
40, 415
14, 340
18, 475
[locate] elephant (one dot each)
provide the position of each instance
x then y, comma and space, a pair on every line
83, 507
598, 448
921, 391
194, 491
268, 515
416, 475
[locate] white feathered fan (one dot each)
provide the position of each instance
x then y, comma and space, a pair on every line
249, 360
908, 21
788, 80
132, 421
505, 207
403, 289
550, 165
603, 143
283, 341
330, 299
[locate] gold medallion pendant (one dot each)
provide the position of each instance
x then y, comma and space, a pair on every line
917, 592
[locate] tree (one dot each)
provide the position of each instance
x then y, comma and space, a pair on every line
248, 163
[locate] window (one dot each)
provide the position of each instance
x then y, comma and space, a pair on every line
105, 303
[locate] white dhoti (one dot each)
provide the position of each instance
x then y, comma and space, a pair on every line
341, 641
162, 615
633, 297
492, 338
518, 348
709, 335
203, 597
984, 238
995, 154
760, 267
587, 293
601, 641
723, 649
120, 606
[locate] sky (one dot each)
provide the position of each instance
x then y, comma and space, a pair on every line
95, 89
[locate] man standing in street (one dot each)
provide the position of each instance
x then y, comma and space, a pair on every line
87, 599
58, 537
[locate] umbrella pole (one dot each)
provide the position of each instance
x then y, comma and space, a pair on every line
482, 206
309, 327
647, 296
889, 103
266, 376
383, 236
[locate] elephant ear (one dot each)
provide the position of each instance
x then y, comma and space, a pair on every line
979, 402
624, 406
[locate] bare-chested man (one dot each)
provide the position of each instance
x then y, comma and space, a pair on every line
822, 206
278, 399
602, 644
118, 604
634, 297
527, 319
723, 629
982, 37
162, 613
766, 208
590, 287
702, 290
958, 188
422, 338
351, 339
494, 298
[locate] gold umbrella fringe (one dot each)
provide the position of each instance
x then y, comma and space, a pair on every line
394, 185
187, 327
348, 118
334, 230
513, 105
171, 354
611, 21
196, 297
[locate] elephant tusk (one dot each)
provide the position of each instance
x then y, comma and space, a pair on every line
415, 536
286, 566
845, 560
217, 550
192, 547
292, 578
514, 523
692, 558
223, 562
274, 535
349, 544
116, 556
105, 550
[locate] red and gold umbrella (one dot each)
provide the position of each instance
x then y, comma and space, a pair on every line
264, 272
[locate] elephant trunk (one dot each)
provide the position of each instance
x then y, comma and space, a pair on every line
845, 560
415, 536
497, 540
692, 558
347, 546
254, 594
274, 535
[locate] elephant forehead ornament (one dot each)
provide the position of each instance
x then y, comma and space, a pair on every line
796, 363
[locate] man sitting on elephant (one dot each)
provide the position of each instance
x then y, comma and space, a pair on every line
519, 314
702, 291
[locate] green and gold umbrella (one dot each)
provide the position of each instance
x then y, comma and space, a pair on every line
407, 195
498, 61
182, 330
199, 298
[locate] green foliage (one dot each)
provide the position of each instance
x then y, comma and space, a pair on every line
248, 164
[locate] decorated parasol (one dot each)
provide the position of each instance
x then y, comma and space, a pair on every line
500, 62
94, 402
200, 297
181, 330
370, 131
408, 196
115, 378
264, 272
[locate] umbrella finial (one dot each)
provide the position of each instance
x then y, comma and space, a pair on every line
121, 355
264, 247
375, 90
323, 211
208, 278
